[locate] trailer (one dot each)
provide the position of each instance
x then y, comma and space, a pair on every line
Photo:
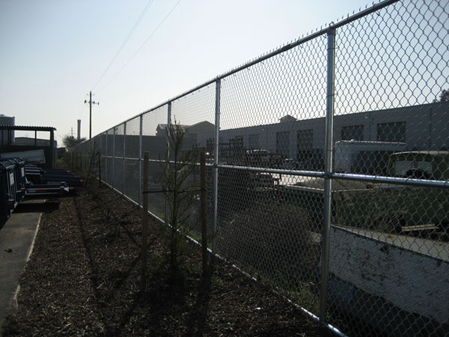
44, 190
393, 208
19, 175
53, 177
8, 190
352, 156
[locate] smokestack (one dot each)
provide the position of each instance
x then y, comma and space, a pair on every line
79, 129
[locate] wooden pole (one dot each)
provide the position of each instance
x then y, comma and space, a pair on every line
204, 212
90, 115
143, 277
99, 168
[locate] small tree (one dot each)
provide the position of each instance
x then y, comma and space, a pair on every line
70, 141
444, 97
271, 238
180, 191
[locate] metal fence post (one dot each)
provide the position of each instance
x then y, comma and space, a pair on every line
328, 171
167, 154
113, 158
144, 223
106, 157
203, 199
215, 174
100, 137
124, 156
140, 158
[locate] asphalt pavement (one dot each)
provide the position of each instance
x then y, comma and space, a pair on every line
16, 242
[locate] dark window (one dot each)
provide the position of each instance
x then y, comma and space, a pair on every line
352, 132
236, 142
210, 145
305, 140
283, 143
391, 132
254, 141
308, 157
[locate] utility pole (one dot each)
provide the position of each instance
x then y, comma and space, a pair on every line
79, 130
90, 112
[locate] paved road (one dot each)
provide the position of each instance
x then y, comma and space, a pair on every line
16, 240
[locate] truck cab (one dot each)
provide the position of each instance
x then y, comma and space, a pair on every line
420, 165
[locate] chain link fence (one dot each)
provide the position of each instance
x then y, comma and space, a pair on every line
328, 168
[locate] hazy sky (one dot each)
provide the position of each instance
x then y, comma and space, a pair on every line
53, 52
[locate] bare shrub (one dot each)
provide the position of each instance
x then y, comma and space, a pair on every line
271, 239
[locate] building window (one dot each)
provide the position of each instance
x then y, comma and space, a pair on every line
308, 157
391, 132
236, 143
210, 145
304, 140
355, 132
254, 141
283, 143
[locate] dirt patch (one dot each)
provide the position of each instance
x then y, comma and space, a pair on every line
83, 280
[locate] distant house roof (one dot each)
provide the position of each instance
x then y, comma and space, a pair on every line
161, 129
287, 118
204, 126
200, 127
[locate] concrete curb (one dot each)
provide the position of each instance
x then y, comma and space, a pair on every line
14, 305
17, 239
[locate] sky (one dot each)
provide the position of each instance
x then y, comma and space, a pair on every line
135, 54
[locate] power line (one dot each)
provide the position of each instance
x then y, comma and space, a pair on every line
131, 32
143, 44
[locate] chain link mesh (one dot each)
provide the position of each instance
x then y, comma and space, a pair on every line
388, 263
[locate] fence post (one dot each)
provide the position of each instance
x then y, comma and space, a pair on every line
100, 140
203, 211
123, 163
143, 278
106, 157
140, 156
328, 171
168, 157
216, 149
113, 158
99, 168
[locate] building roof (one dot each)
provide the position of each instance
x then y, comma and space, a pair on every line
27, 128
287, 118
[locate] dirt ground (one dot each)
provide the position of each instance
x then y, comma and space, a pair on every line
83, 279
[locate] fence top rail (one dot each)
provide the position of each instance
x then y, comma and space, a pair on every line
284, 48
392, 180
